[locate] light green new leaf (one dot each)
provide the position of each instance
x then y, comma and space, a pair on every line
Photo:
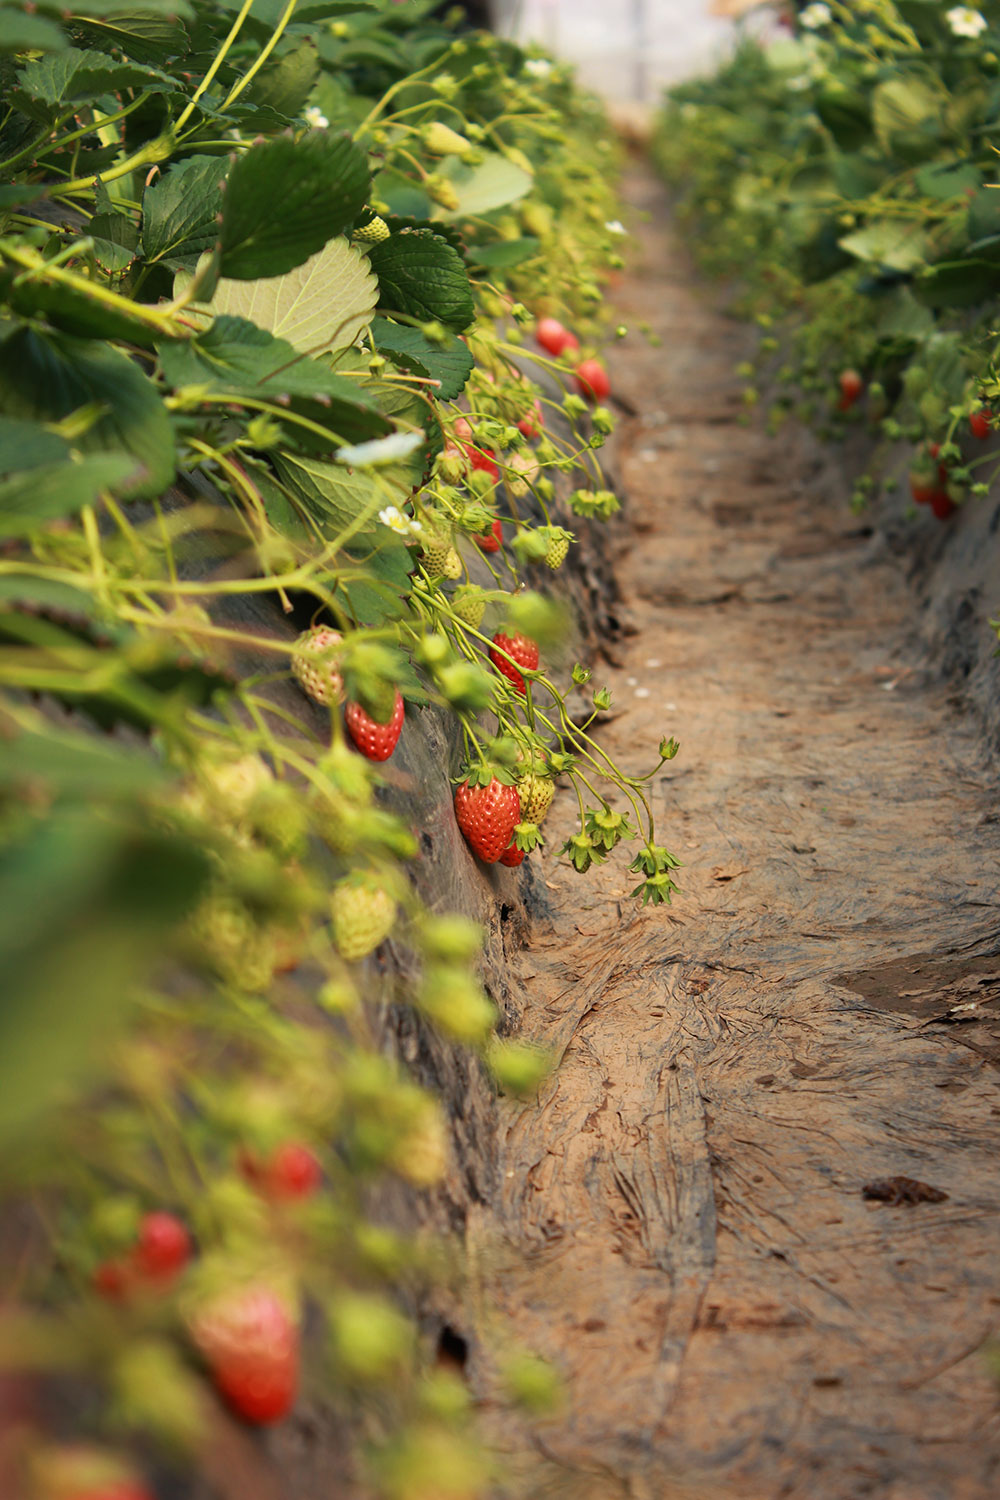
491, 184
319, 307
888, 242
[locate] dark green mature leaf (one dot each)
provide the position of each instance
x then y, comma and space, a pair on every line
380, 595
76, 75
449, 363
60, 489
23, 32
25, 445
506, 253
152, 35
958, 283
948, 179
404, 196
180, 210
116, 240
449, 232
285, 86
77, 765
422, 276
984, 214
284, 199
75, 305
48, 376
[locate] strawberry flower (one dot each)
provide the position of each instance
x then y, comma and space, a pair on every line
964, 21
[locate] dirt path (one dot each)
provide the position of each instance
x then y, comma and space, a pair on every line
682, 1211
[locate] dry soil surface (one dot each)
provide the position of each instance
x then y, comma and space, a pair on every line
683, 1228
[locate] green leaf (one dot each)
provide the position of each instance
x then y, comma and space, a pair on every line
25, 445
75, 75
285, 86
23, 32
506, 253
958, 283
116, 240
403, 195
74, 303
334, 497
491, 184
285, 199
85, 904
78, 765
889, 242
152, 35
908, 114
48, 376
948, 179
48, 596
52, 490
321, 306
984, 214
449, 363
422, 276
180, 210
380, 595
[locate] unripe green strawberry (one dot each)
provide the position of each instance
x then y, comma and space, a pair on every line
363, 915
558, 548
241, 952
315, 665
441, 140
536, 793
442, 191
373, 232
440, 557
469, 604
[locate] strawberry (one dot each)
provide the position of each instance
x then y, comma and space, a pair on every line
469, 604
482, 458
375, 740
162, 1248
488, 815
851, 386
980, 423
536, 793
372, 233
524, 652
531, 424
113, 1280
512, 857
291, 1171
592, 380
943, 505
251, 1346
492, 540
363, 915
554, 338
558, 547
84, 1473
922, 483
440, 557
314, 665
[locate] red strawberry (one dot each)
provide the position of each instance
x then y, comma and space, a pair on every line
376, 741
922, 483
851, 386
524, 651
112, 1279
488, 815
943, 505
554, 338
291, 1171
980, 423
163, 1247
512, 856
532, 424
592, 380
84, 1473
482, 458
251, 1346
492, 541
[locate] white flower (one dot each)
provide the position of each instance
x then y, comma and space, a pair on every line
615, 226
315, 118
538, 67
393, 517
964, 21
815, 16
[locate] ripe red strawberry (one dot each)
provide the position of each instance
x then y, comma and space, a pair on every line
922, 483
512, 857
251, 1346
488, 815
291, 1171
524, 651
851, 386
492, 541
162, 1248
980, 423
532, 424
554, 338
482, 458
943, 505
592, 380
376, 741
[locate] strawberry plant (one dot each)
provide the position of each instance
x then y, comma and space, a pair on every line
278, 449
846, 173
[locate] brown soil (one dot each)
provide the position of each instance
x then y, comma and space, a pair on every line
682, 1227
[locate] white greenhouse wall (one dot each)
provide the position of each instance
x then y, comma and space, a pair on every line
627, 50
